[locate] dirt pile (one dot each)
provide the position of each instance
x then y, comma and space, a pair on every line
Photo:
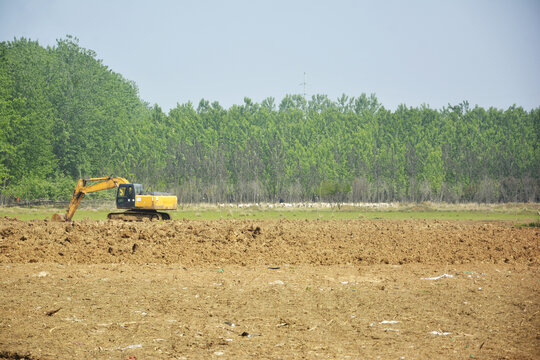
244, 242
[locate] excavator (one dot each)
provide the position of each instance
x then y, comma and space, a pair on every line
140, 205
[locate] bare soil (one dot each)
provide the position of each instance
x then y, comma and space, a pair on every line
277, 289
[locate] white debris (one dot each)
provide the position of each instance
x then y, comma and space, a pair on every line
439, 333
134, 346
73, 319
438, 277
42, 274
277, 282
389, 322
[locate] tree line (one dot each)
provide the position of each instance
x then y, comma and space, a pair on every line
65, 115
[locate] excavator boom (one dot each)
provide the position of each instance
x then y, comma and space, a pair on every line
82, 188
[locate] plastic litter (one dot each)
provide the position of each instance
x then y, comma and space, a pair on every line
134, 346
220, 271
439, 333
277, 282
438, 277
273, 267
389, 322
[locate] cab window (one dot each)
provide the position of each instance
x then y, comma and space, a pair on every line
138, 189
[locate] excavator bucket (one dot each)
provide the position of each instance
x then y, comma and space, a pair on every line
58, 218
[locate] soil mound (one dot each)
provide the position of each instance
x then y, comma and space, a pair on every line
245, 242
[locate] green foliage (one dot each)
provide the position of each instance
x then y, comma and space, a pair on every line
334, 191
65, 115
34, 188
535, 224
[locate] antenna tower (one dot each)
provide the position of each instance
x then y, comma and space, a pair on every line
304, 84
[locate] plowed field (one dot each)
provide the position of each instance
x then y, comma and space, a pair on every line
422, 289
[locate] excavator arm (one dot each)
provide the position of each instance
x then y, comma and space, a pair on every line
82, 188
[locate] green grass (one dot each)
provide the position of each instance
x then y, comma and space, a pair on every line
535, 224
43, 213
523, 216
328, 214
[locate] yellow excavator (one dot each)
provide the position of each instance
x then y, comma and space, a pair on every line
141, 205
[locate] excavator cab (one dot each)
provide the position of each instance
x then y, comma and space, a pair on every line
125, 196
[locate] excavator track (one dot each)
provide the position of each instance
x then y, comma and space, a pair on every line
139, 215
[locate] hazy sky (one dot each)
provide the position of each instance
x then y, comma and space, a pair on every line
415, 52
